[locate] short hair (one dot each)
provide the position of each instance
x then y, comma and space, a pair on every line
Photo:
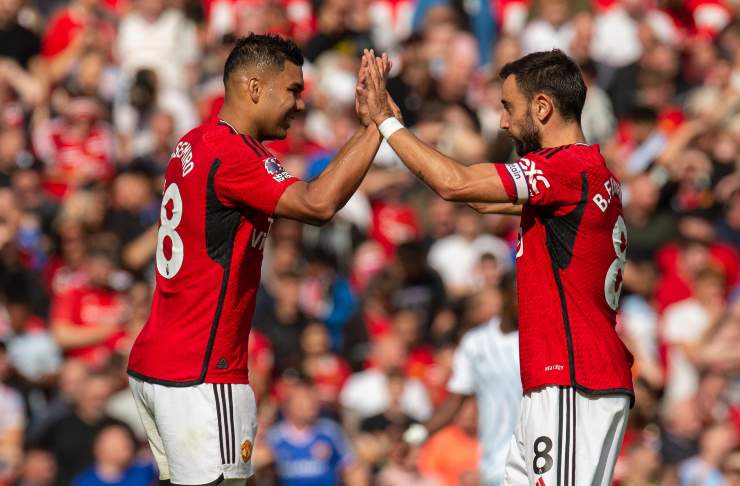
554, 73
269, 51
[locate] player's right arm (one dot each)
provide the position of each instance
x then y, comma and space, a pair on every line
316, 202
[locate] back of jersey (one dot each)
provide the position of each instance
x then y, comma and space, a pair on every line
570, 259
183, 300
220, 191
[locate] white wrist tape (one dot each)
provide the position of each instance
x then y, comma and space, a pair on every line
389, 127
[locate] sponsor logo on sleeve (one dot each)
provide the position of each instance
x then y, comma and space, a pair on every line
277, 171
534, 176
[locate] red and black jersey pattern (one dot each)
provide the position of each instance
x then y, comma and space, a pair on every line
570, 259
220, 193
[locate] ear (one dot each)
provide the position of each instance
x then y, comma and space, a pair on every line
542, 107
254, 88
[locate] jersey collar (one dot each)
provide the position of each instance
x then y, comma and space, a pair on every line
224, 122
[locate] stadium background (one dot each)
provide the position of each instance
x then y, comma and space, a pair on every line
94, 94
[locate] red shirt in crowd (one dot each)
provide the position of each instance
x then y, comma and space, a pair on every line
89, 306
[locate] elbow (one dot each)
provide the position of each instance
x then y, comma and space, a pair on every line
449, 192
452, 187
320, 213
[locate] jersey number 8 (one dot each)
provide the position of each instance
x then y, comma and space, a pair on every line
170, 217
615, 274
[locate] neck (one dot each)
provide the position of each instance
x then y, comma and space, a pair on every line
567, 134
238, 120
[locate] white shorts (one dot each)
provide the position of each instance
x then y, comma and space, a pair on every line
566, 438
199, 435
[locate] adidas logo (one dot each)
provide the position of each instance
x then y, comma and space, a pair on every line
222, 364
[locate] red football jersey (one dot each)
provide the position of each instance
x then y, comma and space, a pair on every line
570, 258
220, 193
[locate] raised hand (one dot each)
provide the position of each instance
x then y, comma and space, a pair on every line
360, 94
374, 94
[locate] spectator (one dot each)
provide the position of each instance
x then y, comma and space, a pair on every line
452, 454
21, 66
327, 371
78, 147
12, 421
153, 36
685, 323
716, 443
87, 322
455, 256
283, 322
308, 450
552, 29
69, 437
114, 450
32, 351
367, 393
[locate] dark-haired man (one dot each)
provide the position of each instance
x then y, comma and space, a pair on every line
572, 248
188, 367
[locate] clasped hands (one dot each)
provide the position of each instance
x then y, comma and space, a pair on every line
373, 103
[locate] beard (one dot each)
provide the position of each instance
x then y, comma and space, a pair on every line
529, 138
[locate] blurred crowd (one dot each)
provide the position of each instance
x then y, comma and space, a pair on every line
357, 322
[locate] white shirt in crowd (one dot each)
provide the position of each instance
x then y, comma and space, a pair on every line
366, 394
455, 257
616, 42
684, 322
167, 46
540, 35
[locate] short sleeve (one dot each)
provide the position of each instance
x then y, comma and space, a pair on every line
462, 380
539, 181
253, 182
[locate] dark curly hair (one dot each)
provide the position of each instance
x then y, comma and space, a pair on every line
267, 50
550, 72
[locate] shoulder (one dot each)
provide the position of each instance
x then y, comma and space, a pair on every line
329, 428
232, 147
275, 433
475, 334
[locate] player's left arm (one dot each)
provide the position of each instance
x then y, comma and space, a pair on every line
510, 209
447, 177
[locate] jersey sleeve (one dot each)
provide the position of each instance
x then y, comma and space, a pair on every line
253, 182
539, 181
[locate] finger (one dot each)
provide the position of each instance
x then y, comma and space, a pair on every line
380, 64
371, 70
374, 75
362, 74
386, 63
